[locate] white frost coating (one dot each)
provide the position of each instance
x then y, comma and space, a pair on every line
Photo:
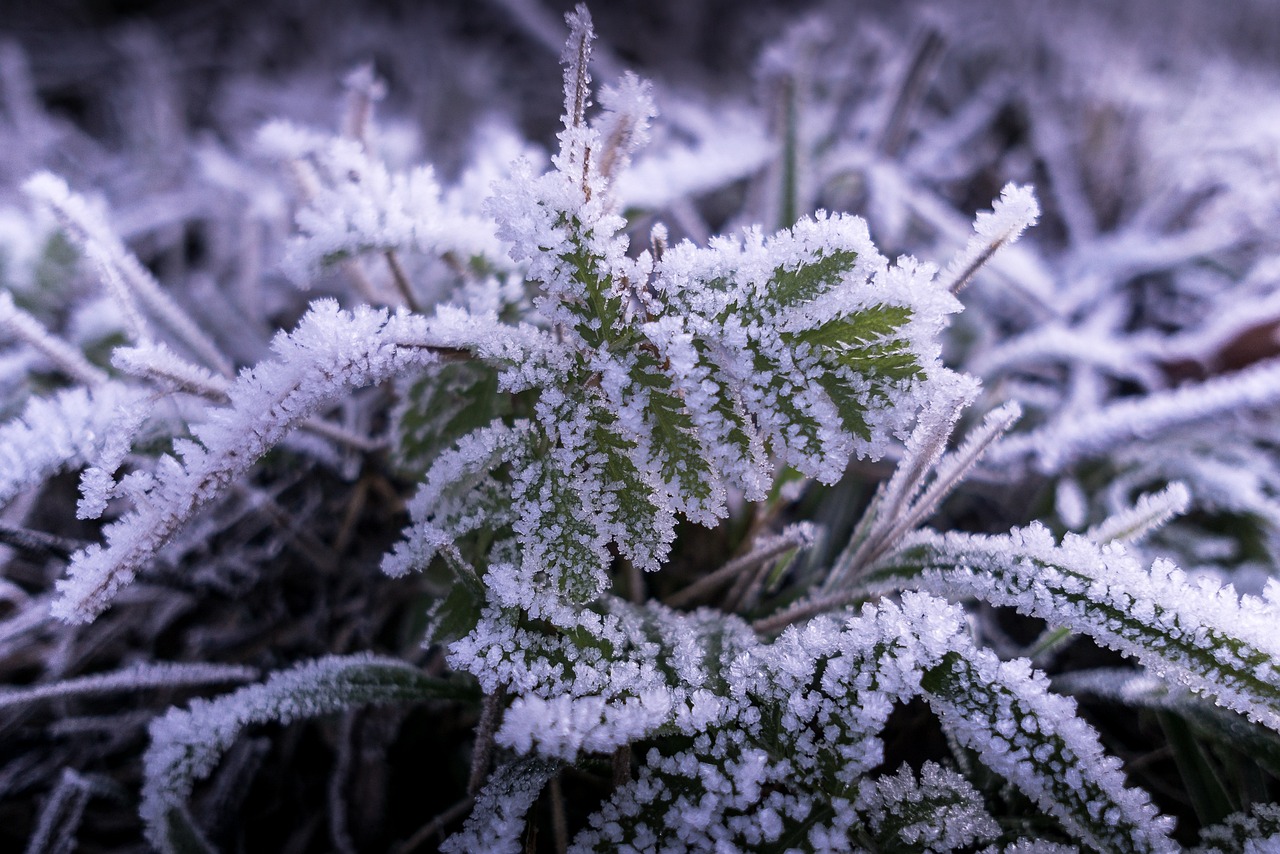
1151, 511
137, 678
288, 141
668, 379
360, 206
452, 499
729, 146
1055, 344
801, 718
1070, 503
1032, 846
186, 744
1061, 443
120, 269
948, 811
563, 726
1198, 635
97, 483
330, 352
1012, 214
58, 432
496, 823
1033, 738
1254, 832
624, 126
155, 362
816, 699
59, 352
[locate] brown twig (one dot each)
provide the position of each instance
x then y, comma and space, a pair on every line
436, 826
559, 825
483, 750
401, 280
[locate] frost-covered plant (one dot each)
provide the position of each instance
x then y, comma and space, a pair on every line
569, 404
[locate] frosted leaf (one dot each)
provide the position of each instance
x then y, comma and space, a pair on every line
1061, 443
186, 744
497, 822
1151, 511
1197, 635
137, 678
58, 432
801, 723
459, 495
126, 278
97, 484
1033, 739
1254, 832
60, 817
360, 206
155, 362
330, 352
60, 353
941, 811
563, 726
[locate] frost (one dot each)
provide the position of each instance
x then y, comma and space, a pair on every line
138, 678
359, 206
186, 744
497, 821
58, 432
330, 352
660, 367
1012, 214
1198, 635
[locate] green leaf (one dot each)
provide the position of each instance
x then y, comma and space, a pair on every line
602, 311
801, 431
849, 403
1030, 737
647, 529
809, 280
683, 465
1200, 638
442, 406
560, 529
454, 616
867, 325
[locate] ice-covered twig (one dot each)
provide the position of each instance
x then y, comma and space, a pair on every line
796, 536
905, 502
1013, 212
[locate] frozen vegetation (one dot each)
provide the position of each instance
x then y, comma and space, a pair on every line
865, 437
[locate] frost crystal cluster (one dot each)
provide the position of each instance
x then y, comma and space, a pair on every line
663, 527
